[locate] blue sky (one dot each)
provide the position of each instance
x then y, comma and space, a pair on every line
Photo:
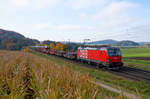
61, 20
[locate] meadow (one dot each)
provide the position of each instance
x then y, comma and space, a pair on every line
130, 56
135, 52
26, 76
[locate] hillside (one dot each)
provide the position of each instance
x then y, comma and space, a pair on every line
4, 34
11, 40
144, 43
109, 41
126, 43
116, 43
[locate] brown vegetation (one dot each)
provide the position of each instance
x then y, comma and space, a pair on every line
25, 75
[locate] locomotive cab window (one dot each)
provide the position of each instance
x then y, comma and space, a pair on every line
114, 52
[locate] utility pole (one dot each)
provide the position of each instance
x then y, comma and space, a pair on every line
85, 41
68, 45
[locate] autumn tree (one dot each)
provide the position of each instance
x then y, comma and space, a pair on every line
64, 47
61, 47
58, 46
52, 46
41, 45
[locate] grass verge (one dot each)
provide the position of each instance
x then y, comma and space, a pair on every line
141, 64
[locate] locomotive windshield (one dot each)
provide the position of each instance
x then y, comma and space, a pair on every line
114, 52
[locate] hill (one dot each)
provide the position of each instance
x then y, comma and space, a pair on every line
116, 43
109, 41
11, 40
4, 34
144, 43
126, 43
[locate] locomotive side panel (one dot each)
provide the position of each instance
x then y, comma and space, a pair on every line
97, 55
103, 56
94, 55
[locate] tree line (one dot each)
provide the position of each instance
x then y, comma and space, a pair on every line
60, 46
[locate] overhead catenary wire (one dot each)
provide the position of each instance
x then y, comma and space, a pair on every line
131, 33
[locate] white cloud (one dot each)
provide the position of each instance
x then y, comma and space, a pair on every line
20, 3
34, 3
63, 27
44, 3
103, 18
137, 33
116, 14
63, 31
79, 4
114, 19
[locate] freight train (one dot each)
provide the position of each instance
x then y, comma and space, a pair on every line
100, 56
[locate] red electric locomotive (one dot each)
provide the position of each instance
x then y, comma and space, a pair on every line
107, 56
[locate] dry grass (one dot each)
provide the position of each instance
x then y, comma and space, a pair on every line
52, 81
25, 76
13, 78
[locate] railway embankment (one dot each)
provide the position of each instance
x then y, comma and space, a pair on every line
137, 62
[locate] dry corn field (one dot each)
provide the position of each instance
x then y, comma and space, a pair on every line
25, 76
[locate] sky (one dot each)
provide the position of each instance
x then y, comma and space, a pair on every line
76, 20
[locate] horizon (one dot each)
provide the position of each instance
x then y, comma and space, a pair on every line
75, 20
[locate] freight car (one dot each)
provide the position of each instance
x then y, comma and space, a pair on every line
105, 56
52, 52
71, 55
60, 53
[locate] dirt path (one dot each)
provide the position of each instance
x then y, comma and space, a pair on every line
132, 96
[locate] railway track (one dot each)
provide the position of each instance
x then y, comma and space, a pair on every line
127, 72
133, 74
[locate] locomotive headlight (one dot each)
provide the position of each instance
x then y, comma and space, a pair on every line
108, 60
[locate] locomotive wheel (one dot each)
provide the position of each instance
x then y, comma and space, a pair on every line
102, 66
89, 62
98, 66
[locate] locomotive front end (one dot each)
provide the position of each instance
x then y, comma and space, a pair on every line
114, 60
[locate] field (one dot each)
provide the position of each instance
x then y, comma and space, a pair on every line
136, 52
137, 57
139, 88
26, 76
